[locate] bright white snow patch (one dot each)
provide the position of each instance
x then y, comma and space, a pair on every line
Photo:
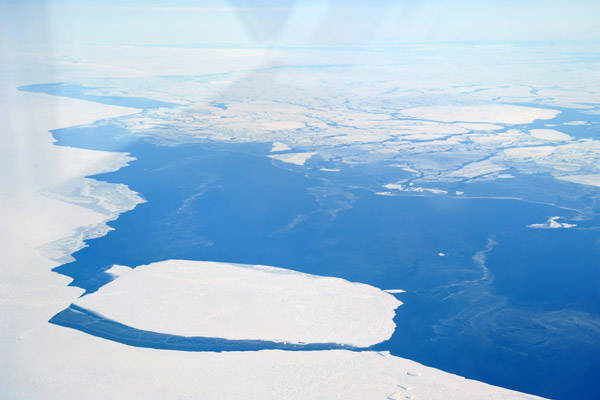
193, 298
293, 158
552, 223
492, 113
549, 134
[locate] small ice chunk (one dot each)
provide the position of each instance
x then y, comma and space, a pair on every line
552, 223
278, 146
395, 291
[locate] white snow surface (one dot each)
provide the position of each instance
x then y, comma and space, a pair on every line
278, 146
549, 134
410, 188
233, 301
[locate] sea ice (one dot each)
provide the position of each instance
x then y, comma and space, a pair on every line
233, 301
552, 223
395, 291
293, 158
592, 180
278, 146
412, 188
549, 134
489, 113
529, 152
477, 169
282, 125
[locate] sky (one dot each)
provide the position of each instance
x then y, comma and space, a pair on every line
294, 22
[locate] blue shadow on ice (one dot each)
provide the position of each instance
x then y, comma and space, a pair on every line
84, 320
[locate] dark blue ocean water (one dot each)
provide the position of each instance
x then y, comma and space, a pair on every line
523, 327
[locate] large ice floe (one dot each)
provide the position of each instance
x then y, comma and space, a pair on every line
549, 135
193, 298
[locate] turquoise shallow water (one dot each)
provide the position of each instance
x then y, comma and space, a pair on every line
525, 324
